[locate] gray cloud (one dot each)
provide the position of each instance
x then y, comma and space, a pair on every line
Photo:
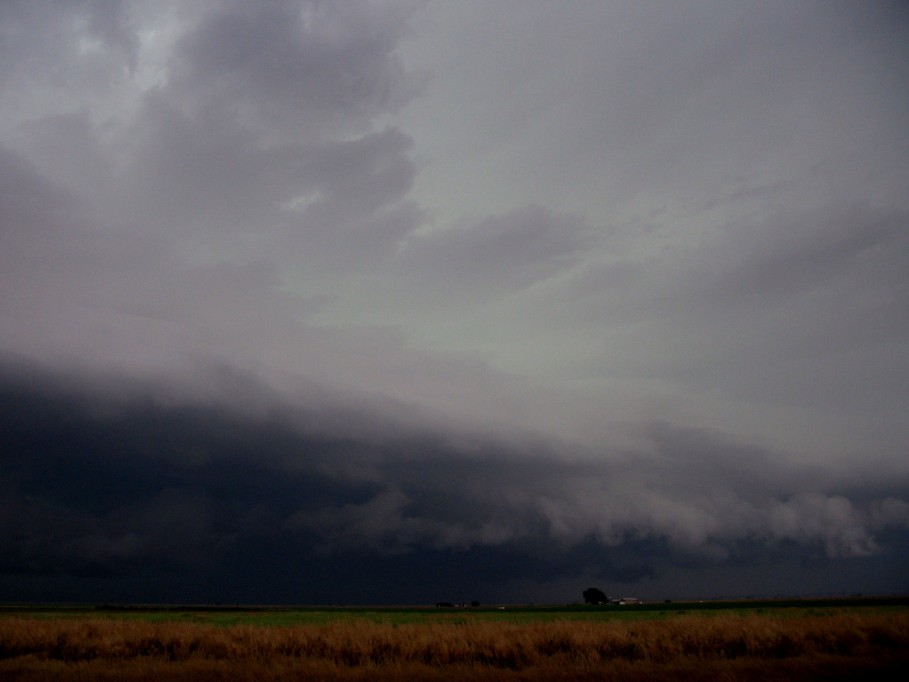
495, 255
803, 307
109, 485
596, 292
69, 47
305, 69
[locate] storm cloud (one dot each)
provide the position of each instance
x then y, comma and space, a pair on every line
415, 301
102, 483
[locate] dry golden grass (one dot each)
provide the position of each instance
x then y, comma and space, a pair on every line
759, 647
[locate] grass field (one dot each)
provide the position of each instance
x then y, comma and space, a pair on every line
733, 641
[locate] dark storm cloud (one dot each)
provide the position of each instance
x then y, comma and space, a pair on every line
507, 294
98, 484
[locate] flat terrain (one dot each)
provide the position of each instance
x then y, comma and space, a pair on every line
797, 639
277, 615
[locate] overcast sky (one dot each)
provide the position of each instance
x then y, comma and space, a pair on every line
430, 301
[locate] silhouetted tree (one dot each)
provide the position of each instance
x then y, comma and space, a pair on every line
592, 595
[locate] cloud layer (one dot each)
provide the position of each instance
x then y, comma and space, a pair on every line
104, 480
514, 296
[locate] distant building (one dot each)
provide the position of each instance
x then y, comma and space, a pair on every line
629, 601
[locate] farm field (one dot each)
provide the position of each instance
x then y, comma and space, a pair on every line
809, 639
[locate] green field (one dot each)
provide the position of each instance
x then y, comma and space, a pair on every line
397, 615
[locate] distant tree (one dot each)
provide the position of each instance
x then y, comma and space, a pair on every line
592, 595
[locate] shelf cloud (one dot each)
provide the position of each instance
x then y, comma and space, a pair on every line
401, 302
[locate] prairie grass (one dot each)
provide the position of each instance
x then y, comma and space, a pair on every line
732, 647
